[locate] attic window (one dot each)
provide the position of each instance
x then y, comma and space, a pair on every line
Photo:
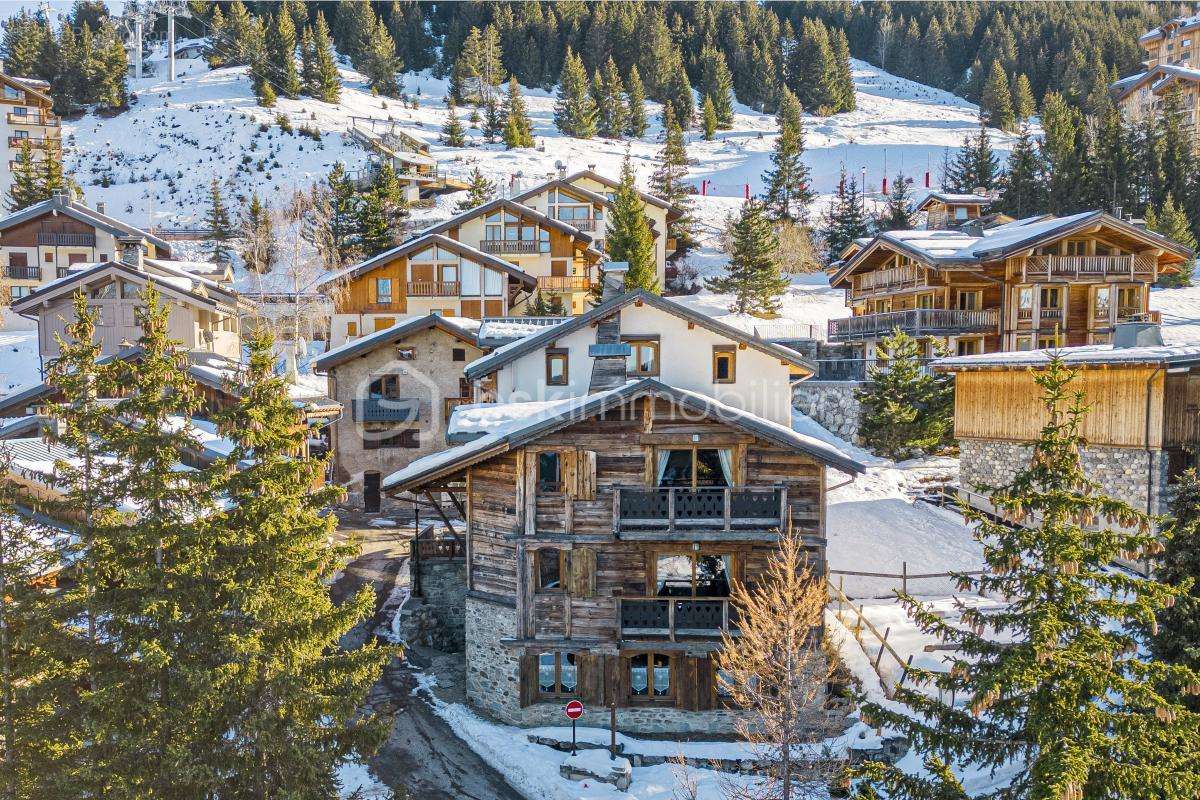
405, 353
724, 362
458, 354
556, 368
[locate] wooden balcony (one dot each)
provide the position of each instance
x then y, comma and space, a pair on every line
660, 512
513, 246
564, 283
33, 119
433, 288
1137, 267
66, 239
676, 616
23, 273
387, 409
889, 280
914, 322
582, 224
37, 143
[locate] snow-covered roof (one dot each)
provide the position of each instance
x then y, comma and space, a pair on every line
509, 352
462, 327
480, 419
422, 241
500, 331
59, 204
517, 208
1182, 23
1099, 354
528, 421
950, 198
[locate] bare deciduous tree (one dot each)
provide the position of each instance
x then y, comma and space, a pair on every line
776, 671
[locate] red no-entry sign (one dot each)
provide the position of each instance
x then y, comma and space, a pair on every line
573, 709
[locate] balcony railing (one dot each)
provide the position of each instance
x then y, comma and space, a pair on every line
517, 246
677, 616
891, 278
1083, 267
914, 322
433, 288
582, 224
857, 369
564, 283
387, 409
34, 142
23, 273
32, 119
668, 509
66, 239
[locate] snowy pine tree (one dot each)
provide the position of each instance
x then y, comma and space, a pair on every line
453, 134
281, 55
518, 130
898, 214
669, 181
753, 275
845, 220
218, 221
628, 236
635, 117
995, 104
788, 184
906, 411
610, 102
574, 111
480, 191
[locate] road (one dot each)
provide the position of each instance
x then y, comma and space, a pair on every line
422, 758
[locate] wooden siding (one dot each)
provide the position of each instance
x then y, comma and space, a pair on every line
1006, 404
1181, 410
360, 291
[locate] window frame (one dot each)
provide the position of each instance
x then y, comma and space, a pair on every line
407, 438
559, 657
650, 697
540, 487
458, 354
718, 352
379, 296
975, 341
553, 354
538, 556
636, 342
975, 293
734, 565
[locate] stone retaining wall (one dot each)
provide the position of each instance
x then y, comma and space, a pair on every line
832, 405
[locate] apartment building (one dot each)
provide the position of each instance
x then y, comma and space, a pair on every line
28, 119
1172, 56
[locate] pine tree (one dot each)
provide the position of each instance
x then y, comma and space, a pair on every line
308, 61
898, 214
789, 189
453, 134
478, 70
753, 276
26, 181
628, 236
1063, 151
54, 180
716, 84
677, 92
258, 236
813, 72
1172, 222
518, 130
846, 218
610, 104
635, 121
975, 166
260, 69
995, 104
1177, 640
379, 62
669, 182
1023, 185
574, 111
293, 703
708, 117
1054, 680
906, 411
324, 83
218, 221
1024, 106
386, 187
493, 119
843, 78
539, 306
480, 191
281, 55
343, 223
375, 234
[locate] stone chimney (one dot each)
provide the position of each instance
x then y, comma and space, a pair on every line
614, 280
561, 166
609, 354
133, 251
1137, 334
100, 207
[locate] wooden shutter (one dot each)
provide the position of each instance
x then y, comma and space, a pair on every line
582, 572
566, 462
685, 673
705, 683
591, 678
527, 679
586, 471
370, 289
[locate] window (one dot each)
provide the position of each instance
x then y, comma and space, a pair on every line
383, 290
556, 368
20, 111
650, 675
724, 362
1024, 343
1129, 301
549, 472
643, 356
969, 347
458, 354
694, 466
1025, 298
107, 291
1047, 342
551, 569
960, 212
558, 674
406, 353
693, 574
384, 386
352, 329
17, 292
383, 323
1101, 338
970, 301
1076, 247
389, 438
12, 94
18, 259
1102, 302
1051, 297
49, 259
925, 300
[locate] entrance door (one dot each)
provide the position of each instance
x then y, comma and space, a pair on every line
371, 491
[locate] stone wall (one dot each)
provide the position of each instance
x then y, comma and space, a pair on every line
493, 674
443, 583
831, 404
1123, 472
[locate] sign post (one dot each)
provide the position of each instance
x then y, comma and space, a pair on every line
612, 727
573, 710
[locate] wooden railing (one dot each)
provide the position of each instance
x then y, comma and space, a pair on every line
433, 288
723, 508
518, 246
23, 273
564, 283
1035, 267
35, 142
915, 322
890, 278
582, 224
32, 119
387, 409
676, 616
439, 548
66, 239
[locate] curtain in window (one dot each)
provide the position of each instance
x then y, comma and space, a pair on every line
726, 456
663, 457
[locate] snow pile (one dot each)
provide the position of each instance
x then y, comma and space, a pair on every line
20, 365
1180, 310
355, 777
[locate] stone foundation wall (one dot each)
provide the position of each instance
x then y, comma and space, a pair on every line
831, 404
1123, 472
443, 584
492, 685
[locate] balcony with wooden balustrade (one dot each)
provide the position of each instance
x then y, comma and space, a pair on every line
37, 143
673, 617
37, 120
564, 283
914, 322
512, 246
1084, 268
433, 288
662, 512
890, 279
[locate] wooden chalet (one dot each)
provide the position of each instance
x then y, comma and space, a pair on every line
603, 536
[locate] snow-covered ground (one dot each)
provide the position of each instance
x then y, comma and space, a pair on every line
20, 365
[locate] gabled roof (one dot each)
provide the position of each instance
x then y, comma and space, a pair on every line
490, 363
1105, 355
516, 208
393, 334
202, 290
587, 194
942, 249
654, 200
422, 241
551, 417
950, 198
31, 85
1183, 23
89, 216
1158, 76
